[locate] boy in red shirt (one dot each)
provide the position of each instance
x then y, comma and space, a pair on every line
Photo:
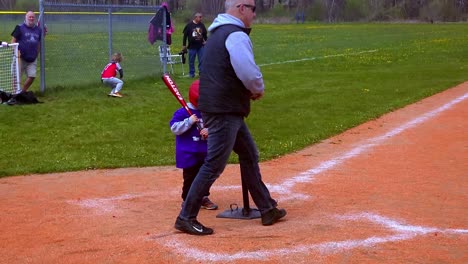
108, 75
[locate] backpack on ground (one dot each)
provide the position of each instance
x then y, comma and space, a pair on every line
4, 97
27, 97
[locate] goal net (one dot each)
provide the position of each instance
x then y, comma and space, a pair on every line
9, 68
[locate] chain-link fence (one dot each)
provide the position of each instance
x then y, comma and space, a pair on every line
80, 39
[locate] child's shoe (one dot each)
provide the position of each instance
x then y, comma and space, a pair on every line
117, 94
208, 205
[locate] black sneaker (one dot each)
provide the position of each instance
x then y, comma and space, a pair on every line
192, 227
272, 216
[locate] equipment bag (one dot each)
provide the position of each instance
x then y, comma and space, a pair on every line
23, 98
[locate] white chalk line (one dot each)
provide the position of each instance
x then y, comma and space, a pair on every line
284, 189
400, 227
403, 232
316, 58
107, 205
102, 205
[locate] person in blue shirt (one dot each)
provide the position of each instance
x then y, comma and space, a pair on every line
191, 146
28, 36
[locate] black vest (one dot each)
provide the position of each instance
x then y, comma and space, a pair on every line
221, 92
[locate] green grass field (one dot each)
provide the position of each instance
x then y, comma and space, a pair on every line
321, 79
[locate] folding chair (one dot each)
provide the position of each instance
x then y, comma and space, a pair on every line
170, 59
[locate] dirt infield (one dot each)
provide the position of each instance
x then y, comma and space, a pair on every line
393, 190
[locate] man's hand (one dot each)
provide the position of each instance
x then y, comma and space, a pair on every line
204, 133
257, 96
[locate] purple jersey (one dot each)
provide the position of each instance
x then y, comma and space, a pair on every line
28, 39
190, 147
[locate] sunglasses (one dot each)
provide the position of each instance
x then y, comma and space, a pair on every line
248, 6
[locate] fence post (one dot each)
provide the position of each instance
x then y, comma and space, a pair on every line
42, 62
110, 33
164, 40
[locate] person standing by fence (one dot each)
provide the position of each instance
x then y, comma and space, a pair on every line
28, 36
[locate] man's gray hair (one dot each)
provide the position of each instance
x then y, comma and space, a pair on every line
229, 4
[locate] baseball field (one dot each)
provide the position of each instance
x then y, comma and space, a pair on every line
363, 138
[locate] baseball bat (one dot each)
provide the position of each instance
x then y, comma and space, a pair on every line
172, 86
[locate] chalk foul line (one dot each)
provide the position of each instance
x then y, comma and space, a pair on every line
316, 58
402, 232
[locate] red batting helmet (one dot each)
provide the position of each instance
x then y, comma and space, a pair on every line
193, 92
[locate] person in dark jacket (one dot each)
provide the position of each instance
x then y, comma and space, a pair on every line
190, 143
28, 36
196, 34
230, 80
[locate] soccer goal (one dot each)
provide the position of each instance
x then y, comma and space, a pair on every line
9, 68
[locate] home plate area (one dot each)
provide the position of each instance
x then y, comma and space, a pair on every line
391, 231
301, 238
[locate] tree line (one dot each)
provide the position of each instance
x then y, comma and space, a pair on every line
312, 10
